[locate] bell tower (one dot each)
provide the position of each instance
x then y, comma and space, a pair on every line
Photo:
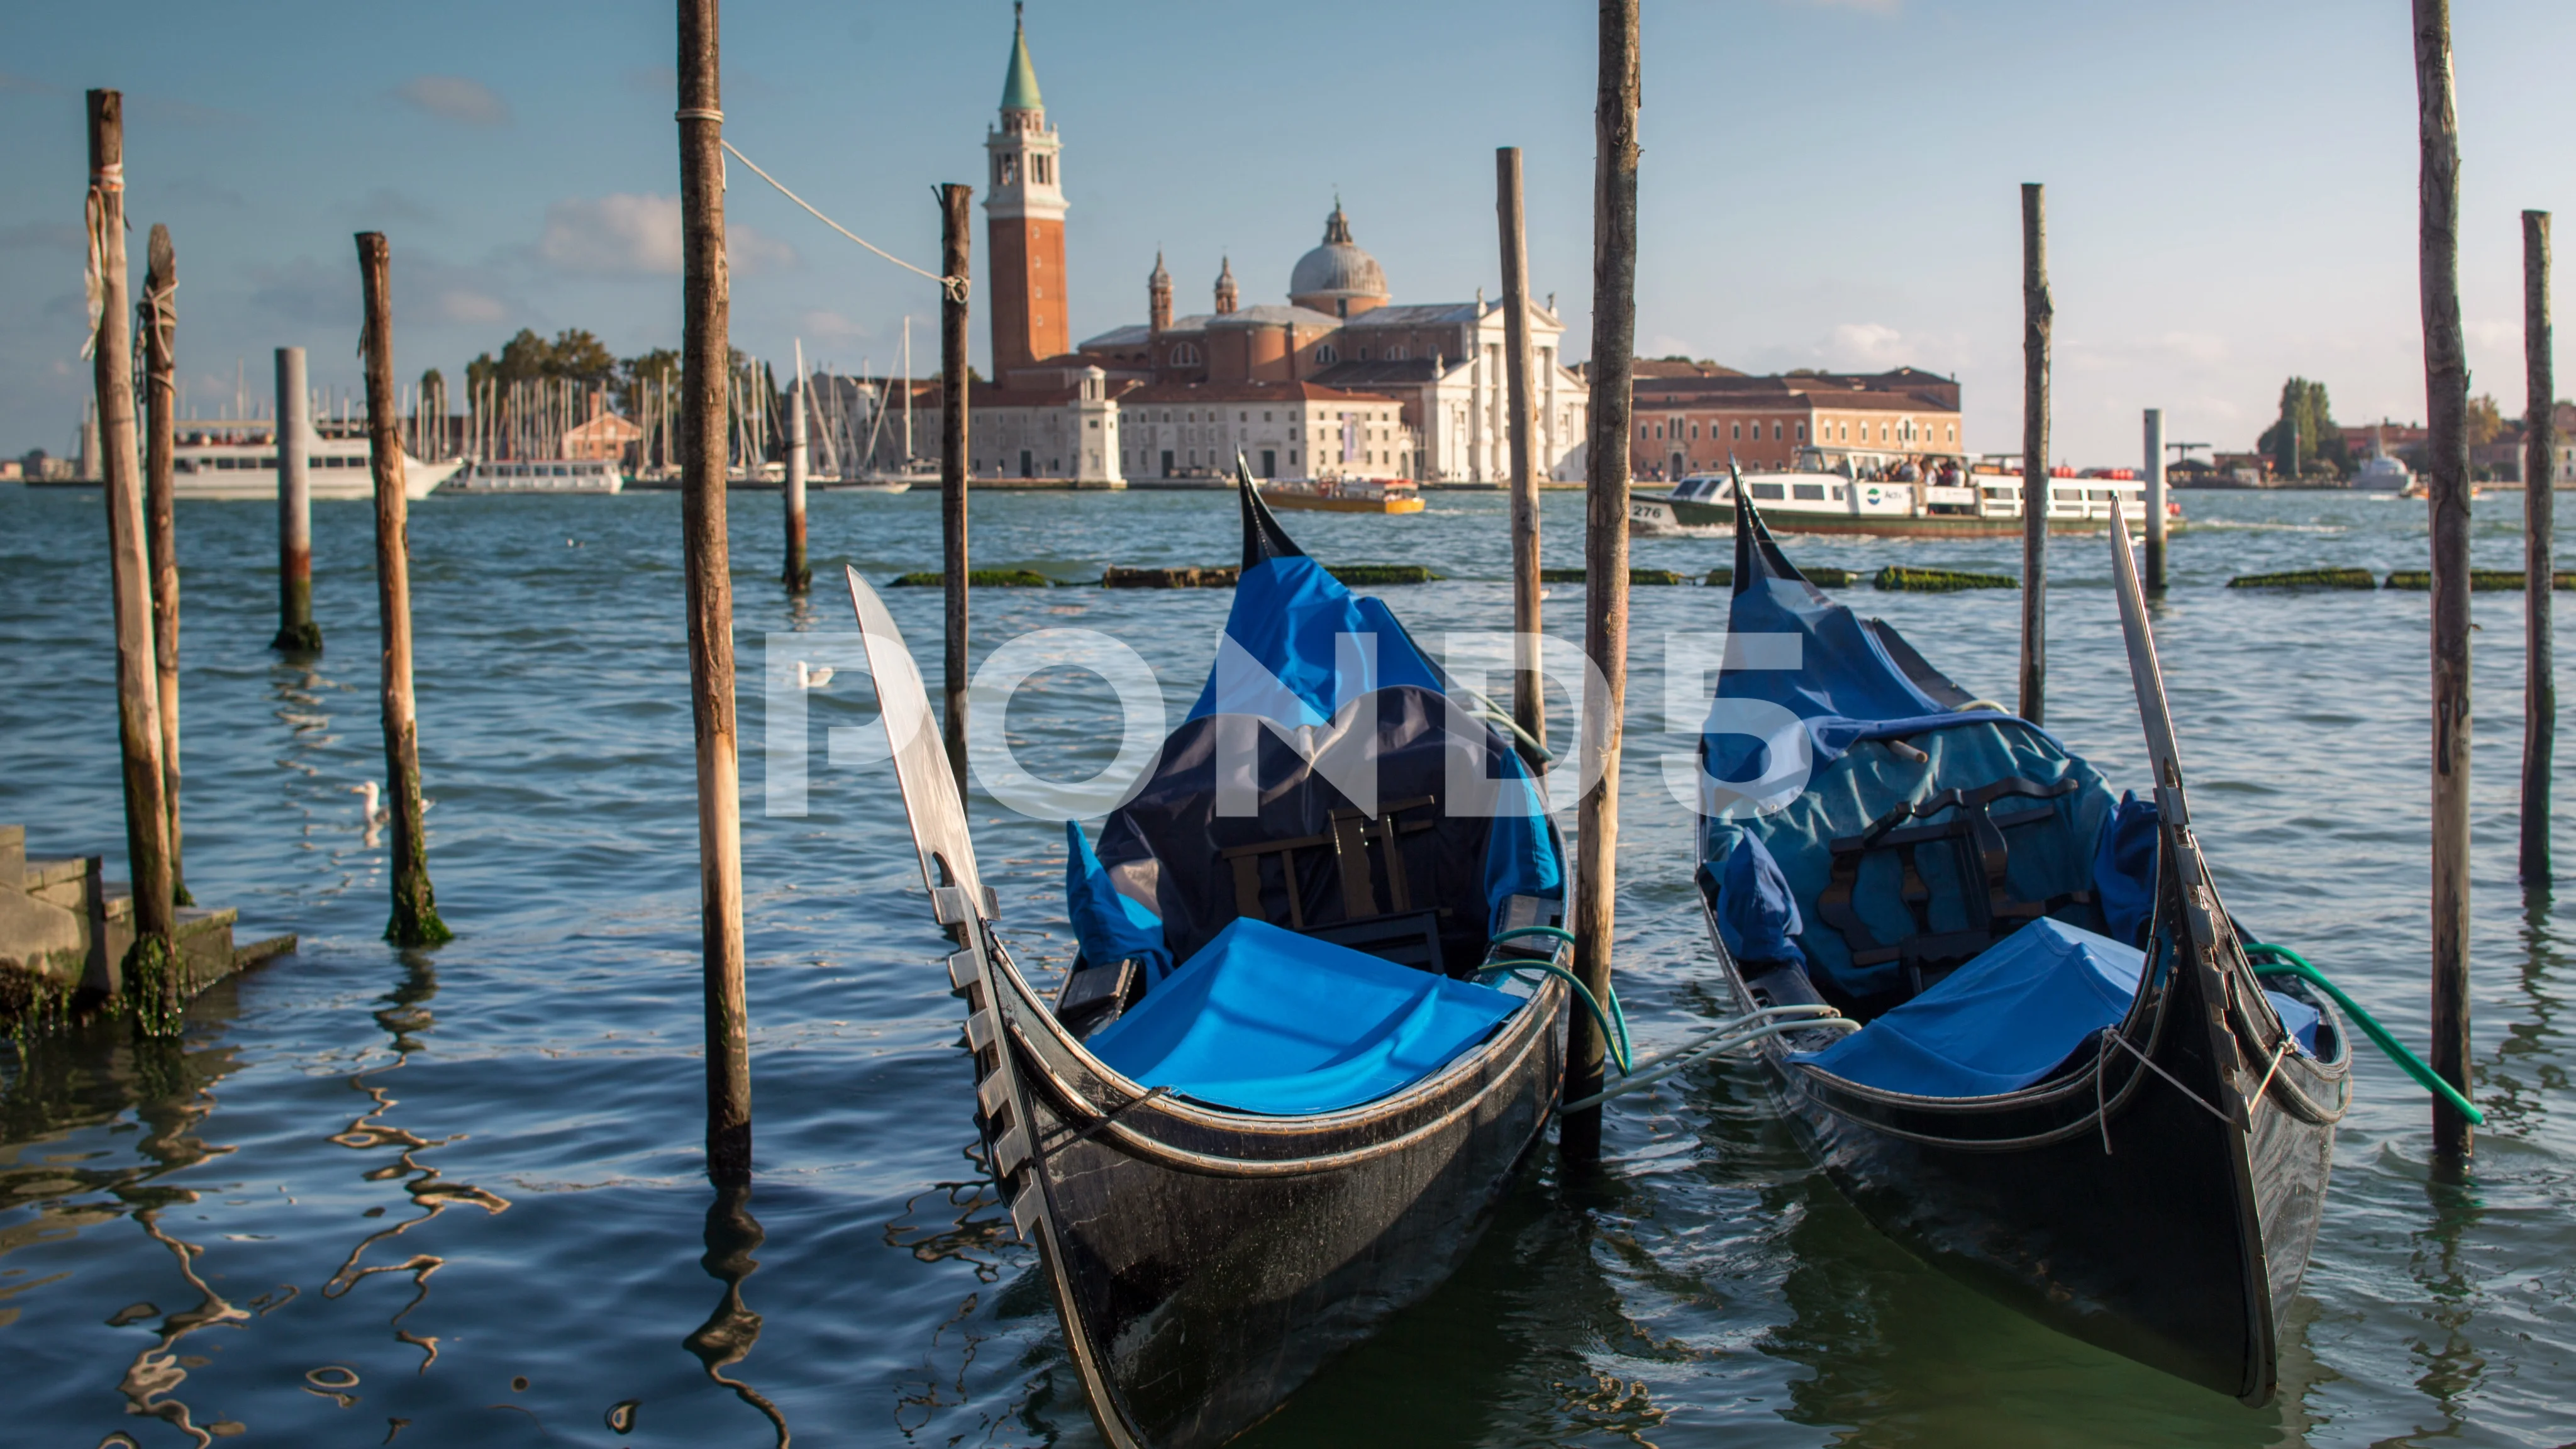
1024, 222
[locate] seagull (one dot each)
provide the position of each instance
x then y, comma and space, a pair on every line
808, 677
371, 818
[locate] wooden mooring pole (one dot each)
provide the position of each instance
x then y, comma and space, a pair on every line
158, 316
954, 234
704, 375
2037, 313
296, 631
2446, 468
1529, 703
2539, 502
1605, 556
414, 921
797, 576
151, 969
2155, 476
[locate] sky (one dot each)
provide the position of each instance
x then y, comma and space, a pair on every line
1826, 183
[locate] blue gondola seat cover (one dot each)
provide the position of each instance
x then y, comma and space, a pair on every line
1266, 1020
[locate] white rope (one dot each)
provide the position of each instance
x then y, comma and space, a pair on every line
1727, 1035
954, 286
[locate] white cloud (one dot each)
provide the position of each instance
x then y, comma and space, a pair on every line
753, 252
824, 325
1868, 344
454, 98
624, 233
464, 304
630, 234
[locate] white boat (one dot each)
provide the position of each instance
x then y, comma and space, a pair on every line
333, 468
2380, 473
538, 475
1821, 498
903, 482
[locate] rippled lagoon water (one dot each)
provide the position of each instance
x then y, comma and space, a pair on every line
456, 1195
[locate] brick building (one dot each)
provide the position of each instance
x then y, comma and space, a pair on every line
1690, 420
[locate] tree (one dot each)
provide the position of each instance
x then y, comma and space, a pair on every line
2486, 420
2304, 439
581, 357
659, 367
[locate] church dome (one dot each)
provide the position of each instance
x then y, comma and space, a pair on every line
1337, 277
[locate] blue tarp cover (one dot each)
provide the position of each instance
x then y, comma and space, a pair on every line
2006, 1018
1266, 1020
1110, 926
1998, 1023
1289, 615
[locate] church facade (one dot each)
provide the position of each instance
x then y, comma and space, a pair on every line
1337, 380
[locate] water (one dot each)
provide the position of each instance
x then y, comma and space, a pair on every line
457, 1195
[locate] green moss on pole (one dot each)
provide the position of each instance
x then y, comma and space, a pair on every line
152, 970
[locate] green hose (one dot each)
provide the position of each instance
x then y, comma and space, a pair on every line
1613, 1023
2291, 963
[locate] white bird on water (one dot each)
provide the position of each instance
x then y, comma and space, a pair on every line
373, 814
808, 677
371, 818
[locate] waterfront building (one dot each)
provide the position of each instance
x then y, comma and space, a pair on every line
1690, 420
1338, 379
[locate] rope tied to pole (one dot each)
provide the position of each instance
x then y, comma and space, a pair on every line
955, 287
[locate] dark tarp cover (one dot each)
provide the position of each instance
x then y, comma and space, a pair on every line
1292, 670
1266, 1020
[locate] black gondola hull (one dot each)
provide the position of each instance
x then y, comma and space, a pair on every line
1205, 1265
2179, 1244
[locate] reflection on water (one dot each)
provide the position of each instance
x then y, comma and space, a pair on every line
406, 1018
152, 1380
728, 1335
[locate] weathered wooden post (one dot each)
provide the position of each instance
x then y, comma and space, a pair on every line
705, 373
1529, 704
296, 631
159, 318
953, 405
2155, 476
797, 577
152, 968
2036, 315
1605, 555
2539, 574
415, 919
2446, 470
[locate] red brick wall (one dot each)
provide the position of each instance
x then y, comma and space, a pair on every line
1027, 297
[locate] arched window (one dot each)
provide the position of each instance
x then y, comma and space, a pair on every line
1185, 354
1325, 353
1395, 354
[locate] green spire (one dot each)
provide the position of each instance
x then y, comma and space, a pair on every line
1020, 83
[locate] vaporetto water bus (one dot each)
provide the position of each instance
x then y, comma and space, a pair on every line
333, 468
1823, 495
538, 475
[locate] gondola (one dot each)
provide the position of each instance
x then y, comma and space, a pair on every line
2069, 1087
1273, 1100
